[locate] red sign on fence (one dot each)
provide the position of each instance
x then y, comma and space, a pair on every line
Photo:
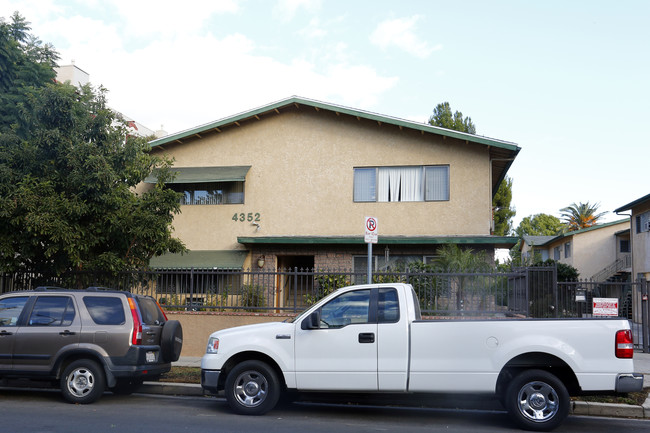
605, 307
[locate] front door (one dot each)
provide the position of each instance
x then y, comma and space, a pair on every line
342, 353
53, 324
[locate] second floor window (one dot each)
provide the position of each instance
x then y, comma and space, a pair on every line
408, 183
210, 193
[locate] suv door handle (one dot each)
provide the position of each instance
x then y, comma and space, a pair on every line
66, 332
367, 337
3, 333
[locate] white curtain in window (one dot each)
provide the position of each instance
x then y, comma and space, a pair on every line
383, 184
411, 184
400, 184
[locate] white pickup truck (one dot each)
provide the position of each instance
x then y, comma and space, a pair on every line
371, 338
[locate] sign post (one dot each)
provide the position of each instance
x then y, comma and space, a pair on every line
371, 237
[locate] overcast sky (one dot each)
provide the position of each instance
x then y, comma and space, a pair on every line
568, 81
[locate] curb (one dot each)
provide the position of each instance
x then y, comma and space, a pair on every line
170, 388
577, 407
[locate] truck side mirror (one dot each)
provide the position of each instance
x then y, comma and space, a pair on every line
312, 321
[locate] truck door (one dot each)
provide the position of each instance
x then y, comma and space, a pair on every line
341, 354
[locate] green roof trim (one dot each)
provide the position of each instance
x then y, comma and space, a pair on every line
497, 241
205, 174
297, 101
206, 259
633, 204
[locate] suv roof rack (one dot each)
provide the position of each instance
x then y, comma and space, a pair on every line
45, 288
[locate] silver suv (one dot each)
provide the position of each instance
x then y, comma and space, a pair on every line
86, 340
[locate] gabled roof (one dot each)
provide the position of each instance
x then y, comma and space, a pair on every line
537, 241
633, 204
502, 153
540, 241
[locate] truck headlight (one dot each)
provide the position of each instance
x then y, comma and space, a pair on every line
213, 345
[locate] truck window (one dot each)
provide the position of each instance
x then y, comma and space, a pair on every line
388, 306
348, 309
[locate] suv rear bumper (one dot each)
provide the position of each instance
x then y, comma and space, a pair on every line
135, 363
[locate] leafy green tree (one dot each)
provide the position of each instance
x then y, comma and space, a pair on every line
540, 224
581, 215
454, 259
68, 169
26, 65
443, 117
503, 213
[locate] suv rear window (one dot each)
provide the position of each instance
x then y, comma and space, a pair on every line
151, 313
105, 310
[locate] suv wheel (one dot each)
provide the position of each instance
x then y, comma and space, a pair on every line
83, 382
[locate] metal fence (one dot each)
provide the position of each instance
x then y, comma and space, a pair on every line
531, 292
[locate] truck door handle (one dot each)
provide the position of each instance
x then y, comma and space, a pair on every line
66, 332
367, 337
3, 333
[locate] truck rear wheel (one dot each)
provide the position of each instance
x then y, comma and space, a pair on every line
537, 400
252, 388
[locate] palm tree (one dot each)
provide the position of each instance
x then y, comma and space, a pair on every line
580, 216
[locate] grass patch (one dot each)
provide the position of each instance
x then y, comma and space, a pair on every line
633, 398
182, 375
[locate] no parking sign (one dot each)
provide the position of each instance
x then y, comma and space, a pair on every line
371, 230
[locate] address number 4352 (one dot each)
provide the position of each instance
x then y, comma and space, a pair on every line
243, 217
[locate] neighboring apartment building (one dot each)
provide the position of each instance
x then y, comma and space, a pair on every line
290, 184
599, 252
78, 77
640, 237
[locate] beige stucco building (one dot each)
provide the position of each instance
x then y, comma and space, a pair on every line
599, 252
290, 184
640, 237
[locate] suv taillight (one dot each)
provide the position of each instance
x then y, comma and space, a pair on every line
624, 344
136, 338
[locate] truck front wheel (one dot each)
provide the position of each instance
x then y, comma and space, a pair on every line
537, 400
252, 388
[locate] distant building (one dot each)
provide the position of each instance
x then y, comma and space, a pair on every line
78, 77
640, 228
599, 253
